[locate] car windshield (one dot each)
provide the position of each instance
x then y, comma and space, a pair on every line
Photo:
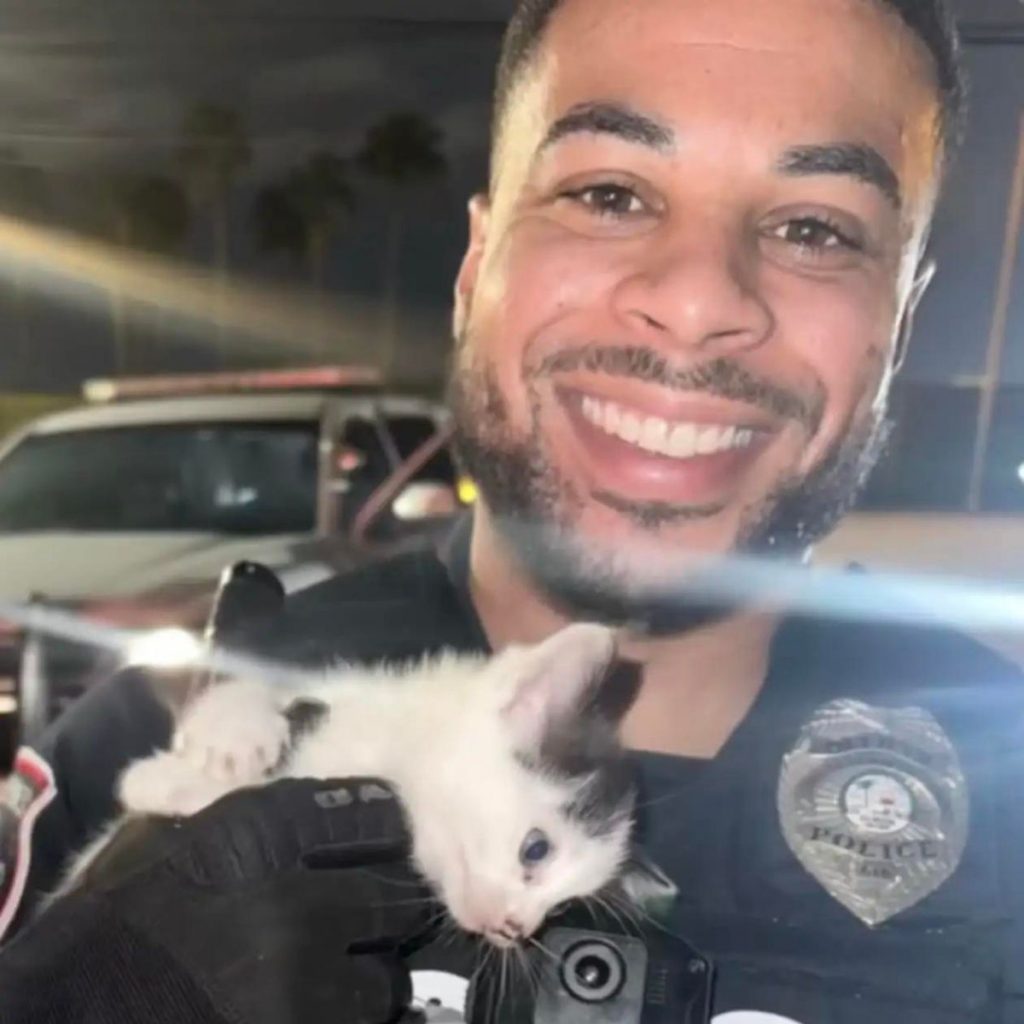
233, 478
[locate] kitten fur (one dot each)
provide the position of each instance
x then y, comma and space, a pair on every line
483, 753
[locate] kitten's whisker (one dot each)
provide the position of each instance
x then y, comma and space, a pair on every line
516, 957
484, 967
504, 975
628, 927
407, 903
524, 964
531, 969
655, 800
602, 904
588, 903
534, 972
402, 883
621, 914
631, 914
437, 918
496, 990
485, 961
452, 932
641, 916
537, 944
629, 907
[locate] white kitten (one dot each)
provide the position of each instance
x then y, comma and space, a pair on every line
514, 785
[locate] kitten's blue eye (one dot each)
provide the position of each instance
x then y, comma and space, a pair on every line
536, 847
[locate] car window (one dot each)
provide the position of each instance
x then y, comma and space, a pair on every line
368, 465
409, 434
222, 478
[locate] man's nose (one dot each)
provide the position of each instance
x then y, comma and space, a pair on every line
697, 289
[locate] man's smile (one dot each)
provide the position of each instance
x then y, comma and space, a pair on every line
673, 439
649, 444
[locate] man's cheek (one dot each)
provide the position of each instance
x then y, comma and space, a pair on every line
852, 402
543, 308
873, 383
551, 274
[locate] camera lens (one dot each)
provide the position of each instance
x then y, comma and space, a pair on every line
593, 971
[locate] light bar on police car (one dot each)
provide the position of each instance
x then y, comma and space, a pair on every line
112, 389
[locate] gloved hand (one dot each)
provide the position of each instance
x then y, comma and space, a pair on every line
287, 903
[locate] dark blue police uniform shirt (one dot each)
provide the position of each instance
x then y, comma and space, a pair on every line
780, 944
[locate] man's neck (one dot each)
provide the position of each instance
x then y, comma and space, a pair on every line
698, 685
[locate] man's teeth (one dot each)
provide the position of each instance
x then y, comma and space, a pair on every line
676, 440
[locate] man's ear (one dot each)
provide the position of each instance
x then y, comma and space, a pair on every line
925, 273
465, 281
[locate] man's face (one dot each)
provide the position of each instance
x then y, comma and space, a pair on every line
679, 307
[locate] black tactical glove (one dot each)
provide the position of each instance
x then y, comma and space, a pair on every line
288, 903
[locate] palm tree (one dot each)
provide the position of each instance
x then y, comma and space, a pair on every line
148, 212
402, 151
277, 223
25, 194
301, 214
214, 149
157, 212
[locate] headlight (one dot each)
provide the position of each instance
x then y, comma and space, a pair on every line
169, 648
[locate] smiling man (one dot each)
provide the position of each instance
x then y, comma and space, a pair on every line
682, 305
686, 293
683, 300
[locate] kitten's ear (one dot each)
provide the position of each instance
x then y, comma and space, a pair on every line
559, 678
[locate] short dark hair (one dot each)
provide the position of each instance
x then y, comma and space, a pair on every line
931, 20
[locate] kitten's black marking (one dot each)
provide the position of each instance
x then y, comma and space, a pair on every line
586, 746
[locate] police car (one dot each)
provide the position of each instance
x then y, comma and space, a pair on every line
126, 510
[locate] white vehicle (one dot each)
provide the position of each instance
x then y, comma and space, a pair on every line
137, 491
129, 507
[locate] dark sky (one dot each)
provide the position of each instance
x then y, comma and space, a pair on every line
90, 89
103, 83
85, 79
80, 83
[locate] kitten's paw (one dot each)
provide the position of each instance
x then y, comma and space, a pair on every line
168, 786
235, 733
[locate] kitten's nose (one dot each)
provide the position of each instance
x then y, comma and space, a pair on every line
506, 933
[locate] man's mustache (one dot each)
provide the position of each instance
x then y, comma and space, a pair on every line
723, 378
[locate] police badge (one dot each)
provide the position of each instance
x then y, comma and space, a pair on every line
873, 803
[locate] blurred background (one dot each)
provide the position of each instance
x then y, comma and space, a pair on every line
197, 187
327, 149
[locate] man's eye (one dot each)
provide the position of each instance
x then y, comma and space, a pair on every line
608, 200
813, 234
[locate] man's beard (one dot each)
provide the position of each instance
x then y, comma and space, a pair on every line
533, 506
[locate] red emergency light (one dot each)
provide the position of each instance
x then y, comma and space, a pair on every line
315, 378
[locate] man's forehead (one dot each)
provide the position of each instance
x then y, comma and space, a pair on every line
803, 68
832, 28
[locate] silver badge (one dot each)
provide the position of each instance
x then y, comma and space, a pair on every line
873, 803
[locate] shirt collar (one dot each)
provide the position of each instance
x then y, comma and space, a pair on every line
454, 555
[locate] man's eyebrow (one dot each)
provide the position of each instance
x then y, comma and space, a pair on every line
611, 119
852, 159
